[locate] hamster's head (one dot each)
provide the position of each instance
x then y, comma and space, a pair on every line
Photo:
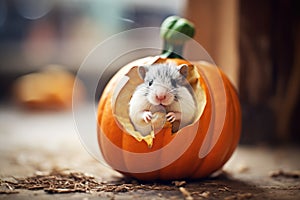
162, 82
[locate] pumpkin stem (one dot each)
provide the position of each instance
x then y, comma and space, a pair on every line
175, 31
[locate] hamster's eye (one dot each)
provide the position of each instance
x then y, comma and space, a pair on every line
173, 82
150, 82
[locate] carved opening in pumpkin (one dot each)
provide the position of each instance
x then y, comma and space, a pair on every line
122, 95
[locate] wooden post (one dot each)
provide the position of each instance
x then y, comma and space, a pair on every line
216, 23
269, 75
257, 44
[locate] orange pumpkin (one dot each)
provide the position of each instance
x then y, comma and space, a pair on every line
196, 150
50, 88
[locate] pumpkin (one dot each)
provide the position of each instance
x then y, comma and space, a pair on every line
194, 151
50, 88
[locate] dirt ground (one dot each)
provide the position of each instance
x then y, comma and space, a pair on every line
35, 143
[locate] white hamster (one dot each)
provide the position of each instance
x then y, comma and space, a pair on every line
164, 85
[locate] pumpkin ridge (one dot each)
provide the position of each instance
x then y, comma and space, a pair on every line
229, 129
237, 115
206, 113
214, 152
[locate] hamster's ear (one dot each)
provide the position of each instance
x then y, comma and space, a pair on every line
142, 71
183, 69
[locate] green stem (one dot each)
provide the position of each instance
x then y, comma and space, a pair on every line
172, 51
175, 31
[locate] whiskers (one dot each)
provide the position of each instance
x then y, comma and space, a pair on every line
173, 91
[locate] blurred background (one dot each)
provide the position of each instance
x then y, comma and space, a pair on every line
255, 42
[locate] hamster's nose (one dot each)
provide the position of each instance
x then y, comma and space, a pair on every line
160, 97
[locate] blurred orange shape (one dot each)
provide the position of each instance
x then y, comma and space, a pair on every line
51, 88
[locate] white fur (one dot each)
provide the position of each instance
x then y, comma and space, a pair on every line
140, 104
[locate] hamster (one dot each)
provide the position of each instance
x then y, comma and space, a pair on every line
165, 86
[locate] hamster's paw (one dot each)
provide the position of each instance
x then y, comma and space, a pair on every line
171, 117
147, 116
